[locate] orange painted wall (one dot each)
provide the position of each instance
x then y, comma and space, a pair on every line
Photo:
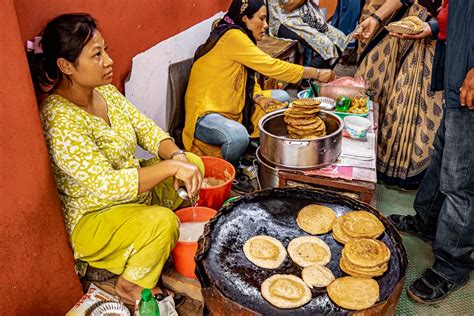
128, 26
36, 264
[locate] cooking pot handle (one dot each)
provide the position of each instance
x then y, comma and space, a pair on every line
255, 166
296, 143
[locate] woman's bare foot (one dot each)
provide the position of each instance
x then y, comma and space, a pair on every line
130, 291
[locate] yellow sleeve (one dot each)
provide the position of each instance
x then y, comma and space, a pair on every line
239, 48
75, 153
149, 135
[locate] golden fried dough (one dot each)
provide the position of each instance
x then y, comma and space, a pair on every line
308, 250
366, 252
353, 292
285, 291
305, 102
337, 231
359, 224
317, 276
265, 251
350, 269
316, 219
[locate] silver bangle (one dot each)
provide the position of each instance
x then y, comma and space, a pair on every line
176, 153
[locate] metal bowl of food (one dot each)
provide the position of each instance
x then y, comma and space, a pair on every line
279, 149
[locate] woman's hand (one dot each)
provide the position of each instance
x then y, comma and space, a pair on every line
189, 174
366, 29
265, 102
423, 34
326, 75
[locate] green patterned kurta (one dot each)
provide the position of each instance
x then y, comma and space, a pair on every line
96, 172
325, 44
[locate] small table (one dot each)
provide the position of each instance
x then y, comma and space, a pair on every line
364, 188
283, 49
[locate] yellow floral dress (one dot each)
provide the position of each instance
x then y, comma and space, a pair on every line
111, 226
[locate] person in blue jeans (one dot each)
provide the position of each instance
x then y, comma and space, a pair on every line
216, 129
444, 203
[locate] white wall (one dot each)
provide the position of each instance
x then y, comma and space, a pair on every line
148, 82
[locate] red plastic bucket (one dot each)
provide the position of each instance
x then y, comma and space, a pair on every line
184, 251
215, 196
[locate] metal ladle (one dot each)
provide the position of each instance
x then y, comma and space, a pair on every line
183, 193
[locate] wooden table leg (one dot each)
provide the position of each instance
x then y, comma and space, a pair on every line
368, 197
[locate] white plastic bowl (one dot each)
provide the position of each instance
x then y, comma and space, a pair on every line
357, 126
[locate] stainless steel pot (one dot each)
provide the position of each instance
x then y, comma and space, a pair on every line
277, 148
267, 174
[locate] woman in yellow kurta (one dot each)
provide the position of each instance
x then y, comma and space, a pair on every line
118, 213
223, 101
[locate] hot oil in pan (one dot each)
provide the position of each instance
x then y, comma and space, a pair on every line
240, 280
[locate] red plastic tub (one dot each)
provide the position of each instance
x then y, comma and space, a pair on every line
215, 196
184, 251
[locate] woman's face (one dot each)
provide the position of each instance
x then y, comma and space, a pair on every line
94, 66
258, 23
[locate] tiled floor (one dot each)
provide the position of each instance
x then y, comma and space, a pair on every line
392, 201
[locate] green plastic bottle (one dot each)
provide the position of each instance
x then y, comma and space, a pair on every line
148, 305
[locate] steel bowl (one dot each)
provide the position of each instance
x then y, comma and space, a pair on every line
285, 152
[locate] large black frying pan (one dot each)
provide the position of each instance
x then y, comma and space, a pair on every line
227, 277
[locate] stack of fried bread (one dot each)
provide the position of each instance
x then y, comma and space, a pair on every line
303, 121
364, 258
357, 224
409, 25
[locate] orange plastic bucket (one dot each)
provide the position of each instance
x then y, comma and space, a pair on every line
184, 251
215, 196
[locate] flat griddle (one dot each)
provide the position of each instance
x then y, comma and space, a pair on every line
222, 265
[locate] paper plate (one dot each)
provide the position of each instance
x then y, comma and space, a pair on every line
109, 309
326, 103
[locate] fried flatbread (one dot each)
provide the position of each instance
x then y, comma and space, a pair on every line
302, 111
303, 121
308, 250
303, 132
353, 292
285, 291
305, 102
317, 276
265, 251
310, 136
361, 272
359, 224
337, 231
316, 219
366, 252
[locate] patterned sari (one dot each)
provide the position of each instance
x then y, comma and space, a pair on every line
399, 72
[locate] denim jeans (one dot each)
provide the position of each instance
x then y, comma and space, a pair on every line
232, 136
445, 200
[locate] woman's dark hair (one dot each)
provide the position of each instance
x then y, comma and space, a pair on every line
63, 37
240, 8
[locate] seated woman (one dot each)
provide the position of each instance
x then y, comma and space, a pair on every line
303, 21
223, 101
118, 213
